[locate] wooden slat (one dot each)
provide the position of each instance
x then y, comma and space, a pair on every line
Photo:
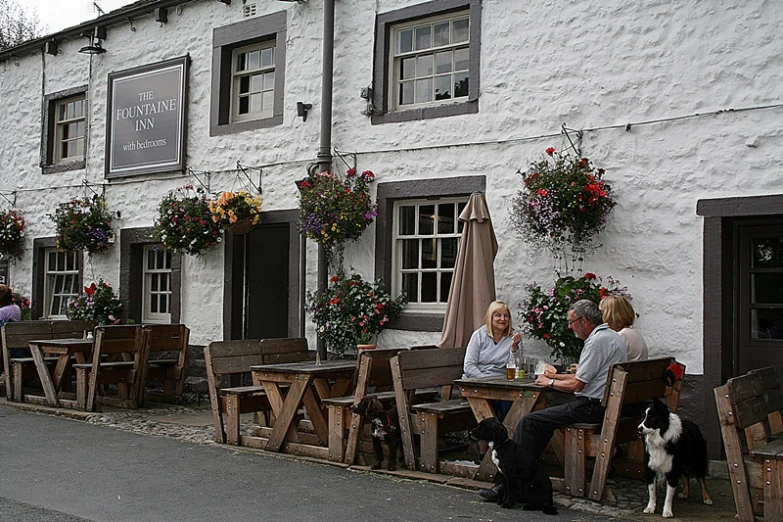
70, 329
772, 450
610, 426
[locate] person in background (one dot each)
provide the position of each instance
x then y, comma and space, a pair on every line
619, 314
9, 312
489, 348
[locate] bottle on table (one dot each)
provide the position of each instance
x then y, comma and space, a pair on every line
520, 362
511, 365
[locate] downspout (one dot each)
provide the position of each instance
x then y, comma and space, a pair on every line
324, 158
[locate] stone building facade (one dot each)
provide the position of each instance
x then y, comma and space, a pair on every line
681, 104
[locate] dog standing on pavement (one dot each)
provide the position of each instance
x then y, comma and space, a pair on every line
524, 479
674, 448
385, 426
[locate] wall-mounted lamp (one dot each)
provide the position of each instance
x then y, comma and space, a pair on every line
51, 47
95, 47
302, 108
161, 15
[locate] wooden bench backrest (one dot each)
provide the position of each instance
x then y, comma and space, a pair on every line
168, 337
114, 340
236, 357
18, 334
754, 396
642, 380
68, 329
430, 368
279, 351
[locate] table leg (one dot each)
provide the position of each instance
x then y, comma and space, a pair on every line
285, 415
43, 375
316, 417
59, 371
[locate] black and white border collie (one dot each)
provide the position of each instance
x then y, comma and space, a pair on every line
674, 448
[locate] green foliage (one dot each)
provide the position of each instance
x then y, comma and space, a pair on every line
17, 25
97, 304
185, 223
83, 224
11, 233
545, 311
563, 203
352, 311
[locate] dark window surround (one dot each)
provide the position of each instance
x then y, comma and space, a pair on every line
224, 41
132, 242
721, 218
40, 245
384, 24
48, 131
233, 289
390, 192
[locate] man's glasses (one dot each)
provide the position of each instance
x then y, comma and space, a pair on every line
574, 320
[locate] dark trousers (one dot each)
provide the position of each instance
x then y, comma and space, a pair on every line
535, 430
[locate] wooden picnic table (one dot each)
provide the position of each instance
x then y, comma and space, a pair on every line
524, 395
307, 384
64, 349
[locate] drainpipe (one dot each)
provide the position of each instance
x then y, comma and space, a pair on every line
324, 158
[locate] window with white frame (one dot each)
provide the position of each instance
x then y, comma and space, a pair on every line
425, 241
62, 282
69, 129
253, 82
157, 285
431, 61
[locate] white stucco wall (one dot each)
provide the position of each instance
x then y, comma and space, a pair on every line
666, 67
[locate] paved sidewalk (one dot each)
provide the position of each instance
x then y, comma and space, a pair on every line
194, 425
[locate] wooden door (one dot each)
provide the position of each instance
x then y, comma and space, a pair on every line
266, 290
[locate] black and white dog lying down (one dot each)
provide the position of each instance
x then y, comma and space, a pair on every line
385, 429
674, 448
524, 479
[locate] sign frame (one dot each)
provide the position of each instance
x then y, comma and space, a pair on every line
175, 160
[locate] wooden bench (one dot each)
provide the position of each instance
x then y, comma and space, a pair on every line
421, 369
227, 359
17, 335
168, 360
749, 408
628, 386
119, 357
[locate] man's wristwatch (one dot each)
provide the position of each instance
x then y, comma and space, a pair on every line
551, 383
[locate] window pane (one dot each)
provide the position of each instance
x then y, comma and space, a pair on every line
253, 60
429, 253
407, 220
52, 263
406, 93
426, 220
268, 101
410, 253
256, 82
79, 112
69, 260
267, 57
767, 252
154, 304
405, 41
424, 65
424, 90
154, 282
460, 30
443, 87
244, 105
460, 208
767, 289
441, 36
462, 59
448, 252
62, 113
443, 63
73, 149
167, 255
445, 285
164, 303
56, 308
423, 37
429, 287
460, 85
58, 284
446, 218
408, 68
241, 62
269, 80
256, 103
164, 283
410, 285
244, 85
766, 324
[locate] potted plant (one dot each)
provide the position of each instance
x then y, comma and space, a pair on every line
237, 212
333, 210
97, 304
83, 224
563, 203
11, 233
351, 311
184, 222
545, 310
24, 305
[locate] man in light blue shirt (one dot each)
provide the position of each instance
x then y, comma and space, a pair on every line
603, 348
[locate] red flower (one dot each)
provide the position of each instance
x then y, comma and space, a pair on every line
542, 192
602, 292
334, 279
547, 336
89, 290
550, 150
350, 172
589, 276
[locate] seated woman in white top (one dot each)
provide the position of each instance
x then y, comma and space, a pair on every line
619, 314
489, 346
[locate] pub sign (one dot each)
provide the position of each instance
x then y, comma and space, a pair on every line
146, 119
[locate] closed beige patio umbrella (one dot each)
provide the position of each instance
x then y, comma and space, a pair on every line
473, 284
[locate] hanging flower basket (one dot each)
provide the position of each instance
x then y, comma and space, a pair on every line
11, 233
83, 224
237, 212
563, 204
185, 223
97, 304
